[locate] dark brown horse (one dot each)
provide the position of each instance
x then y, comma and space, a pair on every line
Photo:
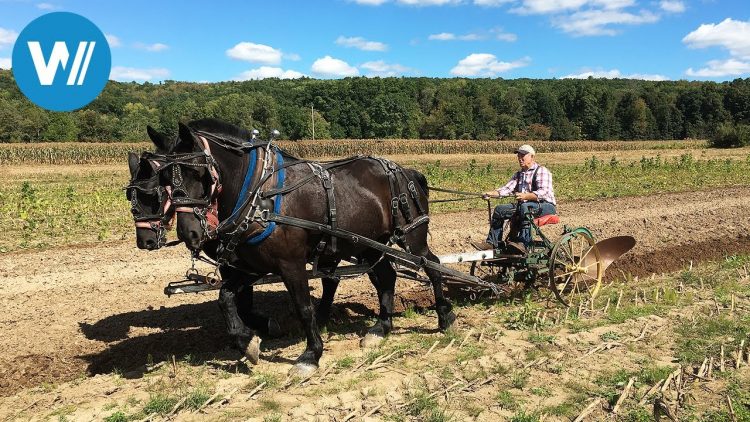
154, 212
209, 173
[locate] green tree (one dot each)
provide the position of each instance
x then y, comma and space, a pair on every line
62, 127
135, 120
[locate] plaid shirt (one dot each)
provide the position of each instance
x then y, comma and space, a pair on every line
544, 190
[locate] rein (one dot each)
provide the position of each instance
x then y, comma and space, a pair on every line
467, 195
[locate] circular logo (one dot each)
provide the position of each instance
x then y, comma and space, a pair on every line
61, 61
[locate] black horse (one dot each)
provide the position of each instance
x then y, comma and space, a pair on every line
154, 214
209, 174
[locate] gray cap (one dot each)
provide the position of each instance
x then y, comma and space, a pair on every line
525, 149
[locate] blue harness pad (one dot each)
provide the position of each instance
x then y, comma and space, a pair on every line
281, 174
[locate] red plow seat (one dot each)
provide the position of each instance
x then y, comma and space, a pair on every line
546, 219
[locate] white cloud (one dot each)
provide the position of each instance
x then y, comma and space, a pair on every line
484, 64
718, 68
381, 68
729, 34
597, 22
256, 53
540, 7
5, 63
113, 40
264, 72
128, 74
495, 33
7, 37
46, 6
615, 73
504, 36
672, 6
491, 3
154, 48
448, 36
361, 44
443, 36
331, 67
533, 7
420, 3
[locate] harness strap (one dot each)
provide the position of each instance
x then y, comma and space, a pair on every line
324, 166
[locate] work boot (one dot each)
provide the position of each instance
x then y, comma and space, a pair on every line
516, 247
483, 246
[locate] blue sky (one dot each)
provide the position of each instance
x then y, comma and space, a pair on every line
237, 40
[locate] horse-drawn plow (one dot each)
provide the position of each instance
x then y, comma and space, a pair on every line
573, 265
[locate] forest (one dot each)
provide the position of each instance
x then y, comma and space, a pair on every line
397, 108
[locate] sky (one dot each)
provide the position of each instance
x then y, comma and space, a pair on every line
201, 41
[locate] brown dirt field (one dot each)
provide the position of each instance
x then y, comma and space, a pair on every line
74, 315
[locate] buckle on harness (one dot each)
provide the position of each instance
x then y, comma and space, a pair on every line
264, 215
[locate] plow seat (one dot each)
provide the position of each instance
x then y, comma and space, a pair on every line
547, 219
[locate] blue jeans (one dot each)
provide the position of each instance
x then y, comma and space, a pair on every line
505, 212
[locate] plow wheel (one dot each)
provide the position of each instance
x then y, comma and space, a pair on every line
575, 266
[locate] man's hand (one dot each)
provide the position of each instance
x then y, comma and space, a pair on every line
490, 194
526, 196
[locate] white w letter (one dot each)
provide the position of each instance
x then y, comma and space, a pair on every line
46, 71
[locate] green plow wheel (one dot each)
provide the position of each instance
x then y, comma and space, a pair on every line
575, 266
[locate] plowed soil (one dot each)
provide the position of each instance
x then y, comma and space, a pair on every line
72, 313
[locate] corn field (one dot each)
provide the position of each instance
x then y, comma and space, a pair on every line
108, 153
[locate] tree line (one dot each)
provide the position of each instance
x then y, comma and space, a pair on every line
400, 108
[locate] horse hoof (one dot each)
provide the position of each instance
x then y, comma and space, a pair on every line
274, 329
252, 350
302, 370
371, 340
445, 323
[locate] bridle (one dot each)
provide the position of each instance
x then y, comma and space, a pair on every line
206, 207
161, 221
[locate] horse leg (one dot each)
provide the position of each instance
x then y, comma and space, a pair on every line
264, 324
295, 280
383, 277
443, 306
323, 313
244, 300
245, 338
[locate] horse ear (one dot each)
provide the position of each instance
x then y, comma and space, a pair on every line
133, 161
162, 142
187, 142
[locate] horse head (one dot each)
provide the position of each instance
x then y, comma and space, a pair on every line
193, 177
150, 200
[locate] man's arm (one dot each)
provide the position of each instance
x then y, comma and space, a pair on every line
505, 190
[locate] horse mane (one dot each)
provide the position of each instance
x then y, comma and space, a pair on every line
229, 131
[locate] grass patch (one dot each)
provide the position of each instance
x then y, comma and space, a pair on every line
522, 416
160, 404
197, 397
519, 379
345, 362
704, 337
506, 400
269, 405
118, 416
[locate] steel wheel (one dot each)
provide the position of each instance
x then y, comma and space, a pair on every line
575, 266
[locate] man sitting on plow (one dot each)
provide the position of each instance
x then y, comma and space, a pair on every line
532, 188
